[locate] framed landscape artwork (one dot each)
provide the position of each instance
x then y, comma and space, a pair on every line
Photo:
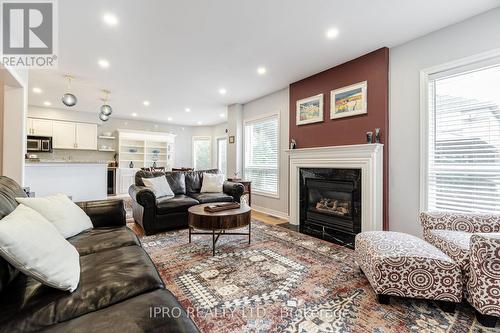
348, 101
310, 110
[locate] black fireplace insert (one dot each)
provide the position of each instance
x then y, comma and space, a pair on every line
330, 203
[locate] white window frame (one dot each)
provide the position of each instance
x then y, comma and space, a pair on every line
259, 118
217, 150
209, 147
461, 65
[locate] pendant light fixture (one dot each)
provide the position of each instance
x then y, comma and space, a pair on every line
68, 98
105, 110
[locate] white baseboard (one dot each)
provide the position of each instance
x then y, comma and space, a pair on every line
271, 212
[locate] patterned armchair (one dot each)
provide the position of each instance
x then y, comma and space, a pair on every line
483, 285
467, 238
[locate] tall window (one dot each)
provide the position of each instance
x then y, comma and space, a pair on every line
261, 155
202, 152
463, 167
222, 155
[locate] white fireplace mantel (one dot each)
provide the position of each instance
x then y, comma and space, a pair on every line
367, 157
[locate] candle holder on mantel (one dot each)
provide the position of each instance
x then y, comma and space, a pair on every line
369, 137
377, 135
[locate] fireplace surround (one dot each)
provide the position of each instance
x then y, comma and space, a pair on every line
367, 159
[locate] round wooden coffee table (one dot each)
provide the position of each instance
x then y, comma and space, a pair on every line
218, 223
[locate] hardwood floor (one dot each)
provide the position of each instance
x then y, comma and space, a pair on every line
267, 218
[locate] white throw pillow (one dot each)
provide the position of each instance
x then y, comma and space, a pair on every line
66, 216
159, 185
35, 247
212, 182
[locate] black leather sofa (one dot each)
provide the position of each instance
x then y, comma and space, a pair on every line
167, 213
119, 287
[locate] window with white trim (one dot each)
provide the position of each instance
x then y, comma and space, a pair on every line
202, 152
463, 165
261, 155
222, 155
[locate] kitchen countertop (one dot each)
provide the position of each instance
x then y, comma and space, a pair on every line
57, 162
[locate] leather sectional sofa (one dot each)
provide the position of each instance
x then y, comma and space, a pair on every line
167, 213
120, 289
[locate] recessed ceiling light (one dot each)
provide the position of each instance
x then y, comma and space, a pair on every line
187, 109
37, 90
222, 115
199, 123
110, 19
222, 91
332, 33
134, 114
261, 70
170, 119
47, 103
146, 103
103, 63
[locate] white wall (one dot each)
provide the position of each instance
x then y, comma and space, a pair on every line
476, 35
183, 139
273, 103
14, 109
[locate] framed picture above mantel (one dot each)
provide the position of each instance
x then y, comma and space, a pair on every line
349, 101
310, 110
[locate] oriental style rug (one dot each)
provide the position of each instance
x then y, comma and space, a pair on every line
285, 281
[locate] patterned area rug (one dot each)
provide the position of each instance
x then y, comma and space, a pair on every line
285, 281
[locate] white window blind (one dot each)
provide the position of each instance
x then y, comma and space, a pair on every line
222, 155
464, 140
202, 153
261, 155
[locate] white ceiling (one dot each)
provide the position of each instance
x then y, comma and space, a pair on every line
178, 54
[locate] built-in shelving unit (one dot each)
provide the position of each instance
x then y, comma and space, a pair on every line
142, 149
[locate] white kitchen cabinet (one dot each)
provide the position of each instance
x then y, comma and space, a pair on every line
69, 135
126, 177
64, 135
86, 136
39, 127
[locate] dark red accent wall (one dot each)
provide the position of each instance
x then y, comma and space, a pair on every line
372, 67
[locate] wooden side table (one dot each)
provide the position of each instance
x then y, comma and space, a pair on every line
248, 188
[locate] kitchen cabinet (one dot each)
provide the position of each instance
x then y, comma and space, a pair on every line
86, 136
69, 135
39, 127
63, 135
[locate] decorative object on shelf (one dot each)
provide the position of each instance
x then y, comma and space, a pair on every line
369, 137
231, 139
310, 110
154, 164
155, 151
293, 144
108, 134
349, 101
68, 98
132, 150
377, 135
131, 165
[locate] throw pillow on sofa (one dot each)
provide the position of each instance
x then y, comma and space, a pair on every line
212, 183
66, 216
159, 186
33, 245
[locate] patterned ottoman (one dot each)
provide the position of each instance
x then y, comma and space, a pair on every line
398, 264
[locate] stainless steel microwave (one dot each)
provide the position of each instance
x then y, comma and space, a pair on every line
41, 144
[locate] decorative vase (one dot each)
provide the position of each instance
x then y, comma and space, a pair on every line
369, 137
131, 165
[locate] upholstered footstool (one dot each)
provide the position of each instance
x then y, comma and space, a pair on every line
398, 264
